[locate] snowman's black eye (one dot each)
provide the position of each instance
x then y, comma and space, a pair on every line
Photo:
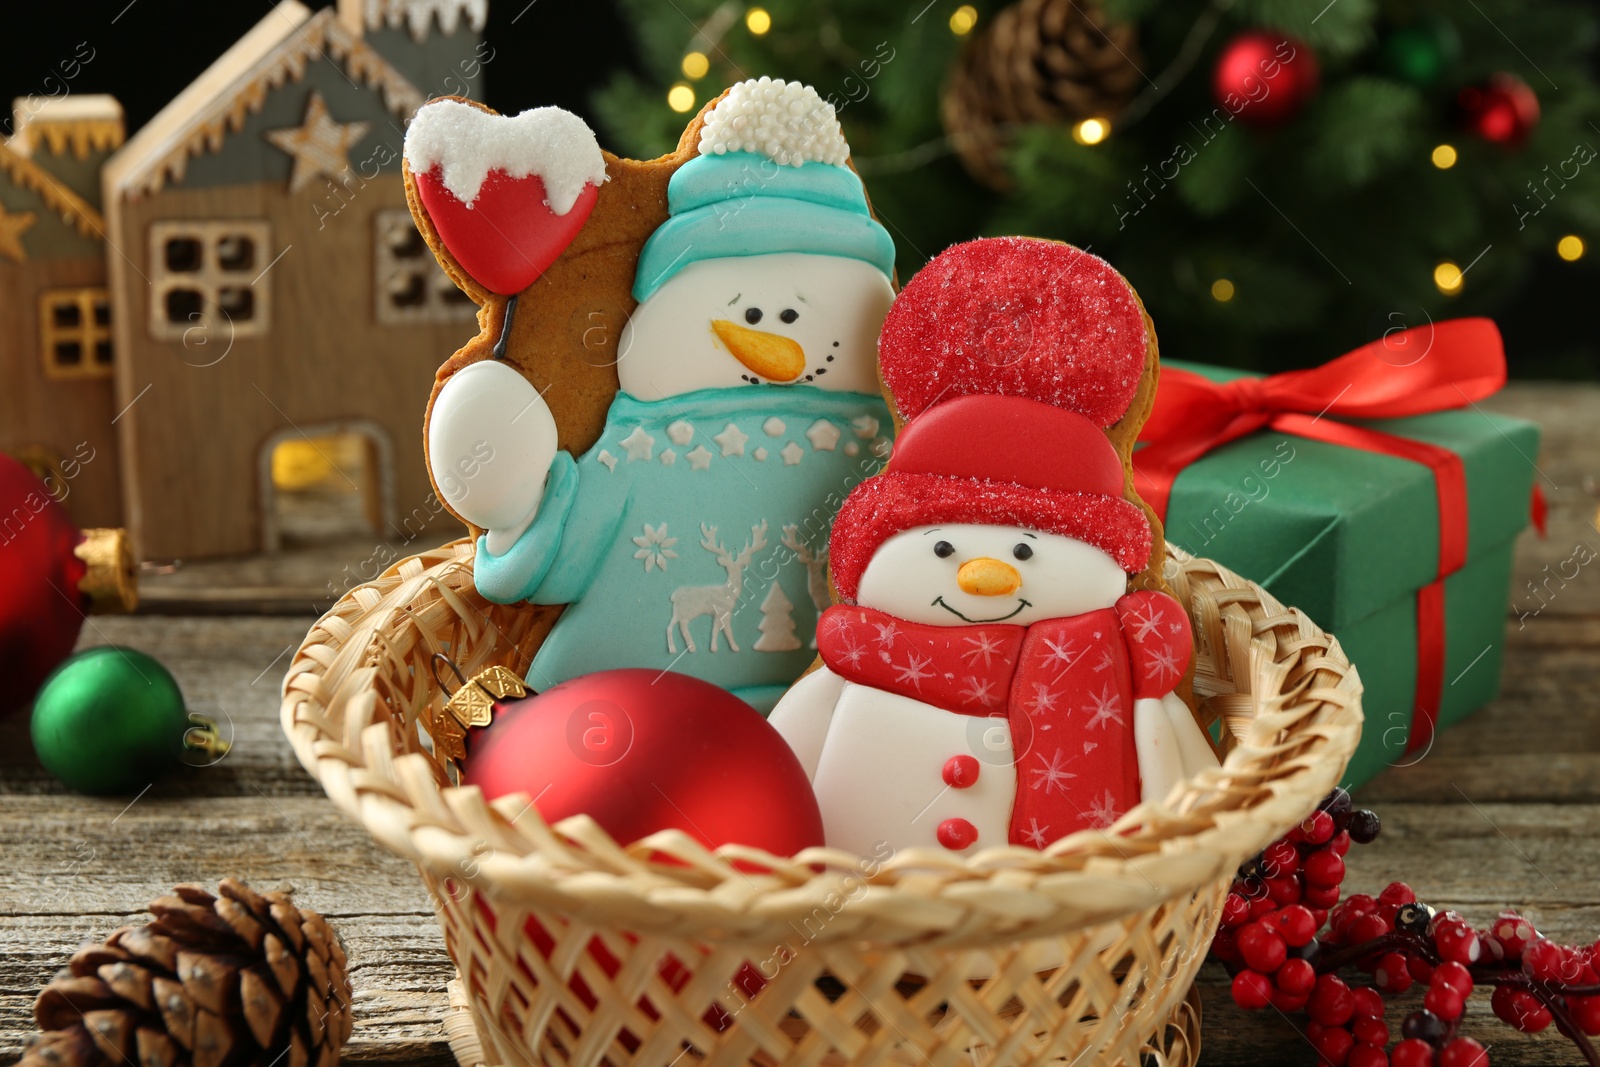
1022, 552
752, 315
943, 549
788, 314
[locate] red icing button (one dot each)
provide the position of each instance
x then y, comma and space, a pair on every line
957, 834
960, 772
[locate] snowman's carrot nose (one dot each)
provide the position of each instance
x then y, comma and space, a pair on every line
988, 577
770, 355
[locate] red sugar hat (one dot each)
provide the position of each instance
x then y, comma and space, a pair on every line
1016, 316
1001, 461
1008, 355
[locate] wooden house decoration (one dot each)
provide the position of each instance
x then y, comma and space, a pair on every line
241, 273
56, 351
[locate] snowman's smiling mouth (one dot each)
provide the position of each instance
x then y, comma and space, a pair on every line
1021, 603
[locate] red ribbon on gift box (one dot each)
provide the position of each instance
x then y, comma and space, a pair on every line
1431, 368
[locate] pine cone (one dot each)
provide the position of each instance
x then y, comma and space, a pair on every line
1039, 61
236, 980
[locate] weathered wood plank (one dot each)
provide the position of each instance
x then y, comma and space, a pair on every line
1474, 857
78, 867
230, 670
303, 581
1539, 741
1568, 467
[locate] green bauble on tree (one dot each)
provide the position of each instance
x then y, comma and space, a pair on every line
1420, 53
112, 720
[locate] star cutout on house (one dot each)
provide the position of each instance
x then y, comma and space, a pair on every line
319, 145
699, 459
12, 227
791, 454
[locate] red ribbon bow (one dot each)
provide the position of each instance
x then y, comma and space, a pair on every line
1409, 372
1437, 367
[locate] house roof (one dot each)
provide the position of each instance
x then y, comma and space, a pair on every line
275, 51
82, 124
73, 209
418, 16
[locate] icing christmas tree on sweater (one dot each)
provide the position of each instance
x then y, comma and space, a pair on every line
988, 679
690, 535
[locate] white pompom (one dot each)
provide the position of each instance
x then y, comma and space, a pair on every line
785, 121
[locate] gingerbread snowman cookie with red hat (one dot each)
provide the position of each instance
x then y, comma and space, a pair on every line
988, 677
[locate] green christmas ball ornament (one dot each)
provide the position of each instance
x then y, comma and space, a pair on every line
112, 720
1422, 52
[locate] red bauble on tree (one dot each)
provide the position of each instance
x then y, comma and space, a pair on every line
1503, 110
51, 575
643, 750
1264, 78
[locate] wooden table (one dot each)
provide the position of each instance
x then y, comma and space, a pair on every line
1505, 810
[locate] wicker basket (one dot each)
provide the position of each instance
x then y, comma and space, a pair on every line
574, 950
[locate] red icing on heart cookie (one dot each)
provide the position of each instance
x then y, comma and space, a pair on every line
506, 194
507, 238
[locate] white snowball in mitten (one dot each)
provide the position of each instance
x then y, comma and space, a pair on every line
491, 439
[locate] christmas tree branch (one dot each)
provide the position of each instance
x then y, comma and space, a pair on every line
1188, 54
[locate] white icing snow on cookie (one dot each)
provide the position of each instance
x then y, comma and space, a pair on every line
466, 144
785, 121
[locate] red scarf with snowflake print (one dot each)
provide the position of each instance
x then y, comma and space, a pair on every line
1066, 688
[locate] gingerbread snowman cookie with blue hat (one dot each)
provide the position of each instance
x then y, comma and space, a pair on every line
691, 535
990, 676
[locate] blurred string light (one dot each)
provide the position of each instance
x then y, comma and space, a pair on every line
680, 98
1091, 131
962, 21
1444, 156
1570, 248
695, 65
1448, 277
757, 20
1222, 290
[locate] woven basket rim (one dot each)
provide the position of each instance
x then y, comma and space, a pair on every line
1284, 760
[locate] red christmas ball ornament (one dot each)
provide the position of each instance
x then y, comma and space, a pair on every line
47, 582
1264, 78
641, 751
1503, 110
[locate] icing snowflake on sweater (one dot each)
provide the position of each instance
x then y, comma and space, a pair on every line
1102, 811
1103, 707
787, 122
655, 547
1052, 774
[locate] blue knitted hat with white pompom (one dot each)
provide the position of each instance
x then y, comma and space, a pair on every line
745, 195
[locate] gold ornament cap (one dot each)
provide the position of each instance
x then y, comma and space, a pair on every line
472, 705
110, 583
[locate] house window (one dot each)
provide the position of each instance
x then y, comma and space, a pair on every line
408, 285
75, 333
209, 276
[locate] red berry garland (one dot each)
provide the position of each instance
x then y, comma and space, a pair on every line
1285, 934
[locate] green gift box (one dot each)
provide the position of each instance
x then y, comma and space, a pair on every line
1351, 537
